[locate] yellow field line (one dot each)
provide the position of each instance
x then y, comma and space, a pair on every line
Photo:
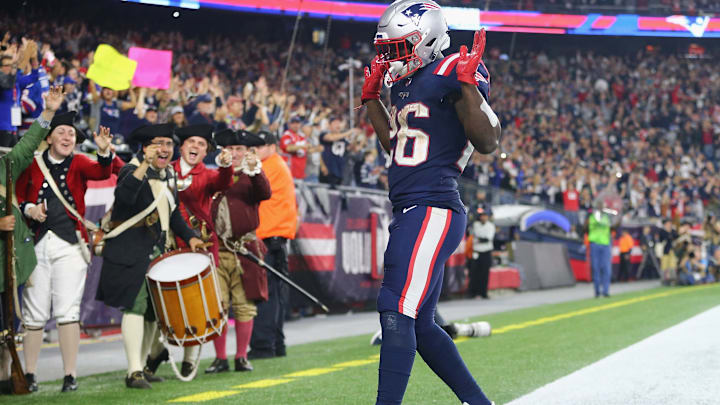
580, 312
270, 382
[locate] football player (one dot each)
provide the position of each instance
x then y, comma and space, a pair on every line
439, 114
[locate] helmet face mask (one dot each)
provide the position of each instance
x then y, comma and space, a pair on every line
410, 35
399, 54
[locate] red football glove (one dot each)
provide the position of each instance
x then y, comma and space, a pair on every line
468, 64
373, 80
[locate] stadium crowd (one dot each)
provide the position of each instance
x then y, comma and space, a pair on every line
592, 123
575, 125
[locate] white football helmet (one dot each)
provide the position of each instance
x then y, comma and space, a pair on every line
410, 35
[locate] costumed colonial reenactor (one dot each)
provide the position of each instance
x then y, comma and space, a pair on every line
51, 194
127, 256
235, 212
196, 141
21, 156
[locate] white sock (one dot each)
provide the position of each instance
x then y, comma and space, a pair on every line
148, 334
190, 353
31, 349
132, 333
156, 346
69, 336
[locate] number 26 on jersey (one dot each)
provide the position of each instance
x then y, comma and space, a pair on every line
399, 128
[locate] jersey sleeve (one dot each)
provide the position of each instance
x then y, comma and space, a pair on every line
448, 76
285, 140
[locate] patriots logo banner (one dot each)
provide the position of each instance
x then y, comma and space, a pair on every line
416, 11
696, 25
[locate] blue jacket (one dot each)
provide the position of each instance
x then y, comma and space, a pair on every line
9, 97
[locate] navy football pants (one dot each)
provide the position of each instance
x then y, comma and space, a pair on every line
421, 241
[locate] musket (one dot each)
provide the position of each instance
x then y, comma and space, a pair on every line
18, 382
240, 248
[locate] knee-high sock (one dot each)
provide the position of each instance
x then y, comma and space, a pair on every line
148, 333
69, 336
31, 349
441, 354
220, 344
132, 333
397, 354
4, 363
190, 353
243, 331
155, 345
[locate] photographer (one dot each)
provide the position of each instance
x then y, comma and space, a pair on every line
712, 234
668, 262
690, 270
649, 267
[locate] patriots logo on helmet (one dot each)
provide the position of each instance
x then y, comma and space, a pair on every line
416, 11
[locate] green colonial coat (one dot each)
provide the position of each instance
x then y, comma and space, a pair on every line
21, 155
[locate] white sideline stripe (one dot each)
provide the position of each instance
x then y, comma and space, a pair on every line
676, 366
425, 253
317, 247
447, 63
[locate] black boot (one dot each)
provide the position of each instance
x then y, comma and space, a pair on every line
151, 377
69, 384
242, 364
137, 380
32, 382
186, 369
153, 364
218, 366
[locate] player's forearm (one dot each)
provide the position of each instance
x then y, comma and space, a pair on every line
481, 125
380, 120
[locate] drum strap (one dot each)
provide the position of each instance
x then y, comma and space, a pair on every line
51, 181
165, 206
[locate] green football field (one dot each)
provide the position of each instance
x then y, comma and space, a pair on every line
528, 349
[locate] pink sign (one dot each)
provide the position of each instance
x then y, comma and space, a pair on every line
153, 67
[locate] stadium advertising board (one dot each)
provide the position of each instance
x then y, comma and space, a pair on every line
465, 18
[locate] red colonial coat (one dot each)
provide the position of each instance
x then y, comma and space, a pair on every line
243, 199
196, 199
80, 170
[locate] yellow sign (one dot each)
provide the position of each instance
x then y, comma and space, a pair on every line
111, 69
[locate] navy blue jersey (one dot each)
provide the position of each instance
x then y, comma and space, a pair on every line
428, 144
334, 155
110, 115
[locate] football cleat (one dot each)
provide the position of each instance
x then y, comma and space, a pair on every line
481, 329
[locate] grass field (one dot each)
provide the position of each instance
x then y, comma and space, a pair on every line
529, 348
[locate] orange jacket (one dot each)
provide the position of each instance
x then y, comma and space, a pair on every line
278, 215
626, 243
